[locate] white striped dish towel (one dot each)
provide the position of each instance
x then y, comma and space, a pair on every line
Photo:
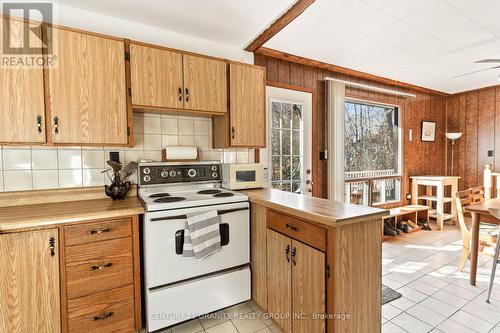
201, 235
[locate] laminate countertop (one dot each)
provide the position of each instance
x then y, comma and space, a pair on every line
41, 215
318, 210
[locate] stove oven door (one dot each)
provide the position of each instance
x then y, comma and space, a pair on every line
164, 263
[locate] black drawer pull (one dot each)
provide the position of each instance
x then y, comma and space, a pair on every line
292, 227
103, 316
179, 237
98, 268
99, 231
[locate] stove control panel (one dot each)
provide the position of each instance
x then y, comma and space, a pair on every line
158, 173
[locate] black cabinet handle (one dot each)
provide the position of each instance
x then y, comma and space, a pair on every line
292, 227
98, 268
179, 91
294, 252
39, 124
103, 316
52, 246
287, 253
56, 124
233, 132
187, 95
99, 231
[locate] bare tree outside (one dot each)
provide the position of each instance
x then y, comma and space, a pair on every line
371, 150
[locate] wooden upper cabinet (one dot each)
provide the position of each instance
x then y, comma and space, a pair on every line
29, 282
156, 77
205, 84
247, 93
21, 95
87, 90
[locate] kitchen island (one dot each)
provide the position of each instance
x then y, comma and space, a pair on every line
316, 264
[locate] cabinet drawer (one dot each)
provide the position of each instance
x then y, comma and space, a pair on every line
96, 267
97, 231
110, 311
297, 229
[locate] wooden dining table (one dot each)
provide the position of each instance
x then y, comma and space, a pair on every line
480, 213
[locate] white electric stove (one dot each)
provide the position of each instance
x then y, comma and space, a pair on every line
177, 288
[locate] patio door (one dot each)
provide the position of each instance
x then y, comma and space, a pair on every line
288, 155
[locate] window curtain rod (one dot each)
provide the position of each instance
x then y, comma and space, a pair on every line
368, 87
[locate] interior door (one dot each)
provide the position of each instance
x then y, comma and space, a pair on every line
308, 288
29, 282
279, 294
87, 90
22, 116
205, 84
156, 77
288, 157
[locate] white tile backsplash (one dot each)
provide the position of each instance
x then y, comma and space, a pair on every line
69, 158
18, 180
16, 159
39, 167
45, 179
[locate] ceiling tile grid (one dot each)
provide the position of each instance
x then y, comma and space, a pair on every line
425, 42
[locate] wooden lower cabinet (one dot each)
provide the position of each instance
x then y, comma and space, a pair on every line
101, 282
295, 285
29, 282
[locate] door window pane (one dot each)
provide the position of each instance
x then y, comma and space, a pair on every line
287, 146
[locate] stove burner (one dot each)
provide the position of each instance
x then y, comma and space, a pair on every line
169, 199
209, 192
159, 195
225, 194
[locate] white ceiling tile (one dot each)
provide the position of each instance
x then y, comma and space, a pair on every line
436, 11
350, 14
323, 8
459, 31
377, 3
485, 50
403, 8
431, 48
374, 22
460, 4
487, 15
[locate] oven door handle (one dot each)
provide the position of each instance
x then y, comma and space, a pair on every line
183, 217
179, 237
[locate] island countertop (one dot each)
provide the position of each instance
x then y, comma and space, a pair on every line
41, 215
318, 210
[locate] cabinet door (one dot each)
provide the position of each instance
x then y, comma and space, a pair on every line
87, 90
156, 77
247, 106
205, 84
29, 282
279, 295
308, 288
21, 95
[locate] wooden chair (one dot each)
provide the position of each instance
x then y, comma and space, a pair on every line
488, 233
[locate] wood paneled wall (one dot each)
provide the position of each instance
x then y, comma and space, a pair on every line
419, 157
475, 114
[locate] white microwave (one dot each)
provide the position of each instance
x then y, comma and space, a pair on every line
242, 176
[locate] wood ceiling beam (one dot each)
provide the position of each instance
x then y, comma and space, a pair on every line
290, 15
346, 71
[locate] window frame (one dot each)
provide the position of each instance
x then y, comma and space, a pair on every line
399, 174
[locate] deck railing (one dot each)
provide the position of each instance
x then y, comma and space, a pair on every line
372, 188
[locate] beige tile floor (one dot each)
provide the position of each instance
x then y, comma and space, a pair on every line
422, 266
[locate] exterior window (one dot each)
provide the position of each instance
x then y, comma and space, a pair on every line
372, 153
287, 153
